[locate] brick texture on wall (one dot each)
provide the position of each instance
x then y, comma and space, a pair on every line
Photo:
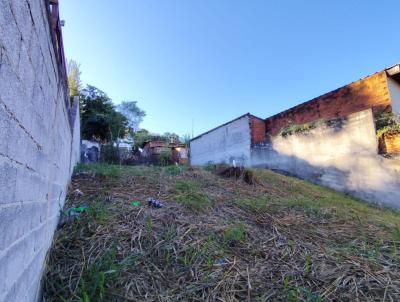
390, 143
257, 127
36, 145
369, 92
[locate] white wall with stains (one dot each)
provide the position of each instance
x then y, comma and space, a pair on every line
343, 157
225, 144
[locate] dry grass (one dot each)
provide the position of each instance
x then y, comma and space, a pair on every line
221, 239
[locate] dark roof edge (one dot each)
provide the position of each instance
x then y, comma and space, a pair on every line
257, 117
238, 118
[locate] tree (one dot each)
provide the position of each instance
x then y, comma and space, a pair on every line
99, 119
133, 114
185, 139
74, 78
141, 136
171, 137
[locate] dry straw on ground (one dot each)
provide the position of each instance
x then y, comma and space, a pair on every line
220, 238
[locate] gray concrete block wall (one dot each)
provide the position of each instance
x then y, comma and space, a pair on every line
343, 157
39, 145
224, 144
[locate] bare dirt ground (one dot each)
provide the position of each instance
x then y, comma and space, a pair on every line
249, 236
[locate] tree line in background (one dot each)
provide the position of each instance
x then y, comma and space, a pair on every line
104, 121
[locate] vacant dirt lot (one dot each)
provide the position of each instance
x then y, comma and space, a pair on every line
222, 235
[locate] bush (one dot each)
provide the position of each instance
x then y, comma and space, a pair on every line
386, 123
166, 157
109, 154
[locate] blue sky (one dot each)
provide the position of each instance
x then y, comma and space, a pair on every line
211, 61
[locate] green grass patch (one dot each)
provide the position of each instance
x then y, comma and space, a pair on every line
234, 234
187, 186
174, 169
306, 195
189, 194
118, 171
97, 212
255, 203
111, 171
92, 286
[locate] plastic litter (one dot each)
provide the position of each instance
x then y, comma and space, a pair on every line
70, 214
222, 261
80, 209
78, 192
136, 203
155, 203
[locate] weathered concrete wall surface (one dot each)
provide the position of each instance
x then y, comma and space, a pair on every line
342, 156
394, 89
36, 146
224, 144
76, 134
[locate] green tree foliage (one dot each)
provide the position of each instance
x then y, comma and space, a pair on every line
141, 136
99, 118
386, 123
185, 139
166, 157
144, 135
74, 78
133, 114
171, 137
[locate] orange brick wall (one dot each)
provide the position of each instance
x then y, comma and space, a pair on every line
390, 143
257, 129
370, 92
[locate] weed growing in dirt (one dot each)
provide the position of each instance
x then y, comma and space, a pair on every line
295, 293
281, 239
234, 234
255, 203
111, 171
98, 213
187, 186
189, 194
96, 275
174, 169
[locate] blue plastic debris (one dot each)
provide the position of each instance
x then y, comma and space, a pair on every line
154, 203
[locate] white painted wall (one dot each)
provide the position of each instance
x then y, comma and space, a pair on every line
344, 158
223, 145
394, 89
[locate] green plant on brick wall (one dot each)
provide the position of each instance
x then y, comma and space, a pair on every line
386, 123
301, 128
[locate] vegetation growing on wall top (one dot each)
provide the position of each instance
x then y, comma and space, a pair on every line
386, 123
301, 128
